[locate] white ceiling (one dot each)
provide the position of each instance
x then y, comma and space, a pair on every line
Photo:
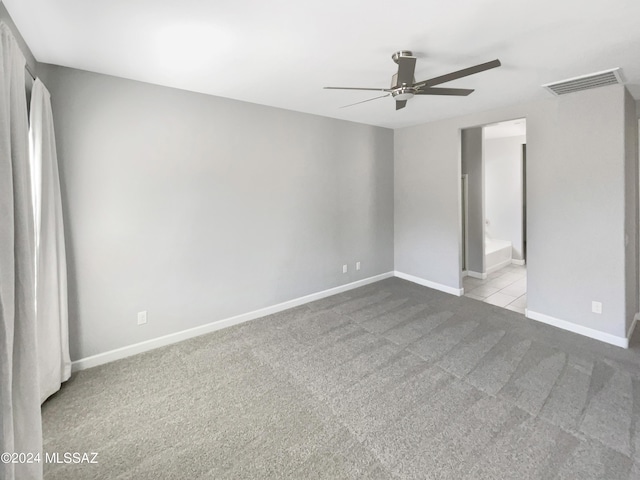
282, 52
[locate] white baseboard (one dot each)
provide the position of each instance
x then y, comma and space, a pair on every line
481, 276
498, 266
154, 343
427, 283
633, 326
575, 328
515, 261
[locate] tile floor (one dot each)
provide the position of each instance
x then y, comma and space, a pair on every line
506, 288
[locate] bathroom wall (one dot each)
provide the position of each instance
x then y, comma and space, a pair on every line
503, 190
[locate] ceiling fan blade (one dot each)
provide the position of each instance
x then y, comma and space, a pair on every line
364, 101
462, 92
357, 88
406, 69
459, 74
400, 104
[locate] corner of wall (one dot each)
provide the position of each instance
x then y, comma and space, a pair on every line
5, 17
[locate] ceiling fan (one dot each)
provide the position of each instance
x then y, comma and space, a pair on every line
404, 85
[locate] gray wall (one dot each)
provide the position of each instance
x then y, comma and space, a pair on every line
631, 206
197, 208
427, 202
473, 165
576, 210
575, 199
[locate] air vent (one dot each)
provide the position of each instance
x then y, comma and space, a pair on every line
585, 82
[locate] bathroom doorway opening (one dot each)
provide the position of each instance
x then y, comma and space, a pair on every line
493, 214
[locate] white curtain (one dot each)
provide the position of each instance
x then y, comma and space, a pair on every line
20, 421
51, 272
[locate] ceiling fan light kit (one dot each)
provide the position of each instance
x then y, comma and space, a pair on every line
403, 93
404, 86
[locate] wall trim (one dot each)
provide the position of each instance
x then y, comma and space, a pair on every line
633, 326
575, 328
498, 266
428, 283
481, 276
145, 346
515, 261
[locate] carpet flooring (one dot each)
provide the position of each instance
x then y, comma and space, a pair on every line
391, 380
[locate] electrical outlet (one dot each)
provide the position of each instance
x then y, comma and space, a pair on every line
142, 318
596, 307
344, 269
357, 265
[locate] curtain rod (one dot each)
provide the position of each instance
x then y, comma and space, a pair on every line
26, 64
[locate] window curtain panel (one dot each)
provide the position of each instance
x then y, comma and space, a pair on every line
54, 364
20, 420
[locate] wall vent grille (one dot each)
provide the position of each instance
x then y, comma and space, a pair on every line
585, 82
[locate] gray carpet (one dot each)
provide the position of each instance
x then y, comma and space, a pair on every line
391, 380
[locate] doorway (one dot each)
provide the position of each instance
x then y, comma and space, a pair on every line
493, 203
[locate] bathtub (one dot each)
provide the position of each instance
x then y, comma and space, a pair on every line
497, 254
